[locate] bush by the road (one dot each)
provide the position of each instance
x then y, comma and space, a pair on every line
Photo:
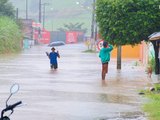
10, 36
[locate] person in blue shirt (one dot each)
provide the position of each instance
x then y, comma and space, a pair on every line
104, 55
53, 58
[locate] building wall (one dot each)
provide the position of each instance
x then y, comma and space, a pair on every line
144, 53
128, 52
139, 52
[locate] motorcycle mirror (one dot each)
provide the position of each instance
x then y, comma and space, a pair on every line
14, 88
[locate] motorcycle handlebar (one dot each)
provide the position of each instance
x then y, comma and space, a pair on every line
11, 107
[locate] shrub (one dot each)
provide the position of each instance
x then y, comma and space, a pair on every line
151, 63
10, 36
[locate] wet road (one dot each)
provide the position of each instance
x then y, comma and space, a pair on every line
73, 92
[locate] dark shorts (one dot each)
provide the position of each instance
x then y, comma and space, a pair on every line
104, 63
55, 66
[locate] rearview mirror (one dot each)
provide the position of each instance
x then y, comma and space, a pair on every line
14, 88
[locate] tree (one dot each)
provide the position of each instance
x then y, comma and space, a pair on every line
6, 9
127, 22
73, 27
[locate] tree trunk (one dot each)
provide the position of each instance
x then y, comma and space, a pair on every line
156, 49
119, 57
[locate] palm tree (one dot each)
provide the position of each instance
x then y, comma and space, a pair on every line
73, 27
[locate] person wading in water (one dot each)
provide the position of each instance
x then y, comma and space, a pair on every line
104, 55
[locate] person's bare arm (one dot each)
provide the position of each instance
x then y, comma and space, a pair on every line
47, 54
58, 54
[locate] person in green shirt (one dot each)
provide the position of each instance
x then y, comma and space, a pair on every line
104, 55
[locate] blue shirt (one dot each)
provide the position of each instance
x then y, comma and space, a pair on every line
53, 57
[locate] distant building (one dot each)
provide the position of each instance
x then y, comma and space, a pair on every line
67, 36
27, 29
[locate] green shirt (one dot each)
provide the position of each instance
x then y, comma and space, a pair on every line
104, 54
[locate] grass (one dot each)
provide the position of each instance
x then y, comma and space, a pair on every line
152, 107
151, 62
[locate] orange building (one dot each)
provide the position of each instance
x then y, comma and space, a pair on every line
138, 52
128, 52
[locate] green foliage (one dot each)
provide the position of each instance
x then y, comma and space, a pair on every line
153, 106
74, 27
10, 37
157, 86
6, 9
151, 62
123, 22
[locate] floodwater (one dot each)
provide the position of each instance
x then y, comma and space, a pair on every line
74, 91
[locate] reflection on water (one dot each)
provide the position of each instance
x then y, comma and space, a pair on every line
104, 83
118, 75
53, 71
135, 117
90, 97
119, 99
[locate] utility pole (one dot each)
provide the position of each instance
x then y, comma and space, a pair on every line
52, 19
44, 13
93, 26
17, 14
26, 9
96, 31
40, 11
95, 23
93, 20
44, 9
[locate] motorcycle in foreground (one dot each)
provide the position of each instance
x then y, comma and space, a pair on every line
13, 90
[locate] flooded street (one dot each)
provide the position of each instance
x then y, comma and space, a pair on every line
73, 92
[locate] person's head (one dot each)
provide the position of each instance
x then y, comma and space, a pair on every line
105, 44
53, 49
